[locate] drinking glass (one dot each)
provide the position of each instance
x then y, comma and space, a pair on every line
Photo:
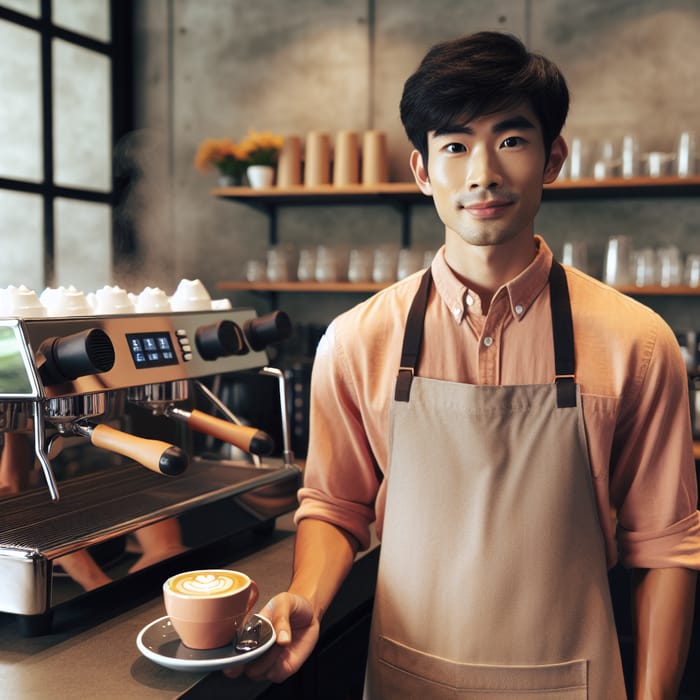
360, 264
685, 162
306, 269
256, 271
616, 270
410, 261
575, 254
692, 270
644, 267
326, 265
669, 266
385, 263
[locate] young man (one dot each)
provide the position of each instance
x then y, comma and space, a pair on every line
509, 424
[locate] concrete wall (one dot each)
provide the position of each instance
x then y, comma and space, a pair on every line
209, 68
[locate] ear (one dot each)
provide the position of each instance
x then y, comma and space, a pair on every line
557, 156
420, 173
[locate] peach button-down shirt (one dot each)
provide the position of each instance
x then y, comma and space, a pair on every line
628, 365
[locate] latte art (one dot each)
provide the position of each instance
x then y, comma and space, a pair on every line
206, 583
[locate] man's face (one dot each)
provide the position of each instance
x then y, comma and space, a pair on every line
486, 176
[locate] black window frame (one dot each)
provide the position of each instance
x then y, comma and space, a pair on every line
119, 50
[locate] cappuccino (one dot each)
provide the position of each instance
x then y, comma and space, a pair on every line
207, 583
206, 607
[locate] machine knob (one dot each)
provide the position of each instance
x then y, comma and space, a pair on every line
78, 355
266, 330
221, 339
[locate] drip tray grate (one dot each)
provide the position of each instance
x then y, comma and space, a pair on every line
119, 499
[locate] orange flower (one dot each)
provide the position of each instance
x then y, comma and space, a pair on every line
210, 152
228, 157
262, 147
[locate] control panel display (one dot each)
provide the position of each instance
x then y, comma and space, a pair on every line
151, 349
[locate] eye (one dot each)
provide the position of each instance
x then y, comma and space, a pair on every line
513, 142
455, 148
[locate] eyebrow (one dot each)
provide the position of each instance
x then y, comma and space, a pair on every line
517, 122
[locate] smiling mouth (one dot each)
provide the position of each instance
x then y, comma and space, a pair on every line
484, 210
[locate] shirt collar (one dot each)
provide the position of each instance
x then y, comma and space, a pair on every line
522, 290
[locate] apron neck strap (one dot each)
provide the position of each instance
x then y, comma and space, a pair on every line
413, 339
562, 331
563, 334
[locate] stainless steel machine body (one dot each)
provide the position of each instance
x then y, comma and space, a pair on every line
73, 379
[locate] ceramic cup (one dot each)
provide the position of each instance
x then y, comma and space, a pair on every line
152, 300
20, 301
112, 300
65, 301
208, 606
190, 295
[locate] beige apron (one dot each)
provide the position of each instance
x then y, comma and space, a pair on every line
492, 574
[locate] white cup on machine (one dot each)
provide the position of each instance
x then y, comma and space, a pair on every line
111, 300
20, 301
190, 295
152, 300
65, 301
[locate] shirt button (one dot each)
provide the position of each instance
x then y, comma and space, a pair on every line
457, 312
518, 309
488, 341
469, 300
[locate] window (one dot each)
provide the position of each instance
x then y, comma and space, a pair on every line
64, 101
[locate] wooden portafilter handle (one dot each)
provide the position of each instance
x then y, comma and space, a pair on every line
156, 455
244, 437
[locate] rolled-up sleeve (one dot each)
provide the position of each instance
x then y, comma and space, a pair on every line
654, 482
340, 477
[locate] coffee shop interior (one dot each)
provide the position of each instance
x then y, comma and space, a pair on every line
116, 220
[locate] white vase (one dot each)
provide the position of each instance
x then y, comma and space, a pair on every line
260, 176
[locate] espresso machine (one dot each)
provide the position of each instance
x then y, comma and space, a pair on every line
135, 396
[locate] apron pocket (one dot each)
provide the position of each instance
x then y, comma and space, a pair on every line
403, 672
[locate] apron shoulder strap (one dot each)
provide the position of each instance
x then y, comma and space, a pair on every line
563, 333
412, 339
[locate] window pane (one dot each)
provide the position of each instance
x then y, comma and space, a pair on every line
27, 7
88, 17
82, 118
21, 233
82, 244
20, 104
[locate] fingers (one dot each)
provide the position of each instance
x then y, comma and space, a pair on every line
278, 614
296, 628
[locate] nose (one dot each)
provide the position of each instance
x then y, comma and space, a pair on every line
483, 172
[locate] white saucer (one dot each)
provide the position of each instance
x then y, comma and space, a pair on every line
159, 642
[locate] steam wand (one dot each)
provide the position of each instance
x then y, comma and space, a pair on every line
40, 451
287, 454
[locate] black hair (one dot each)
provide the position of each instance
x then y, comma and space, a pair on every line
480, 74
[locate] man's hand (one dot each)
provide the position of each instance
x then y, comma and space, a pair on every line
297, 631
323, 555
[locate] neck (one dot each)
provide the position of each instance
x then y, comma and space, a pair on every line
484, 269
